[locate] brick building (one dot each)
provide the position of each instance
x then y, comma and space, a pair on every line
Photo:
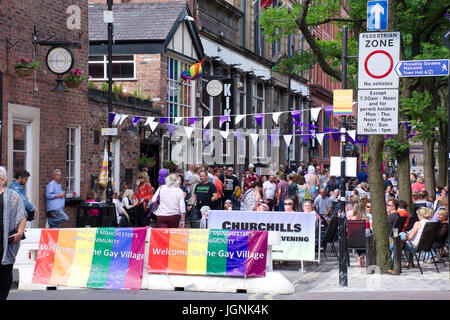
43, 129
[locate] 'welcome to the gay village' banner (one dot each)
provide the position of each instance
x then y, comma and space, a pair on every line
208, 252
110, 258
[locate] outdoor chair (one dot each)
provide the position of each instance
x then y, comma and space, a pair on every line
330, 237
425, 244
356, 236
440, 243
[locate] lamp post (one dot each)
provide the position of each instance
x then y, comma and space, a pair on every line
109, 190
342, 221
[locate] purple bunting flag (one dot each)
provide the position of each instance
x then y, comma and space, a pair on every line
296, 114
206, 134
259, 117
222, 119
162, 120
135, 121
328, 110
192, 120
171, 128
112, 115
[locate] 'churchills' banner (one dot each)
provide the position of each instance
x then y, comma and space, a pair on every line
208, 252
297, 230
109, 258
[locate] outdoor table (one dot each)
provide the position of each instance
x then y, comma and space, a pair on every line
106, 215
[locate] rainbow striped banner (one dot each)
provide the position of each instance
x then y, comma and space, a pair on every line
343, 102
110, 258
208, 252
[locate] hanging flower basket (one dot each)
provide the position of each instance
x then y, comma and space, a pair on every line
75, 78
24, 72
72, 84
25, 68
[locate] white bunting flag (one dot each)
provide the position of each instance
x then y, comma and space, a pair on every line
254, 137
238, 118
224, 134
315, 113
122, 119
276, 116
153, 125
319, 137
206, 120
188, 131
352, 134
287, 138
178, 119
117, 117
149, 120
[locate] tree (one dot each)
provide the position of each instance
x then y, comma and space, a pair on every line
420, 21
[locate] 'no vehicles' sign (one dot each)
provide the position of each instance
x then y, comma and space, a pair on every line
378, 54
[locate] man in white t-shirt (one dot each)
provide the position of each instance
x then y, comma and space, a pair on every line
123, 220
269, 189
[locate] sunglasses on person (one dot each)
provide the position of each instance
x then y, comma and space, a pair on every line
288, 203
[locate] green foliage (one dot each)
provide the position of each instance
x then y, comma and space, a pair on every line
395, 148
417, 108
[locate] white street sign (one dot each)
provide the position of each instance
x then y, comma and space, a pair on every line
109, 131
377, 112
378, 54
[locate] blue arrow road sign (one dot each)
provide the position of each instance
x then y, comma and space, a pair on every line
377, 14
422, 68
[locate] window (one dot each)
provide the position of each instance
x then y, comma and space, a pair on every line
123, 67
73, 161
180, 96
20, 143
276, 44
258, 35
243, 22
291, 44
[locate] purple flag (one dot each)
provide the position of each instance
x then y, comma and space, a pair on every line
112, 115
206, 133
305, 138
328, 110
135, 121
296, 114
269, 136
192, 120
163, 120
336, 136
258, 118
223, 119
408, 128
171, 128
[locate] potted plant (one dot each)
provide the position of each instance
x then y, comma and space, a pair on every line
169, 164
74, 78
25, 67
146, 162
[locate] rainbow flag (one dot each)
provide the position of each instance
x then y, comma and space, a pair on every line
343, 102
208, 252
110, 258
193, 72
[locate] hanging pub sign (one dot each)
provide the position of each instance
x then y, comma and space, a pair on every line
59, 60
227, 102
214, 88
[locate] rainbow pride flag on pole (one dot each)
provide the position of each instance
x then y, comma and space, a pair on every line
110, 258
343, 102
208, 252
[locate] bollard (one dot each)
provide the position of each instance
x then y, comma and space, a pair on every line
342, 233
397, 257
368, 248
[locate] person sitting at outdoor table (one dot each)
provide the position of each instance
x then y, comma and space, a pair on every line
424, 214
359, 213
324, 206
392, 214
402, 211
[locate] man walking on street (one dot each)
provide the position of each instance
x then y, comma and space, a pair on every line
269, 189
18, 185
55, 201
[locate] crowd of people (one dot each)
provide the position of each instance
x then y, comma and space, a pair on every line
185, 197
